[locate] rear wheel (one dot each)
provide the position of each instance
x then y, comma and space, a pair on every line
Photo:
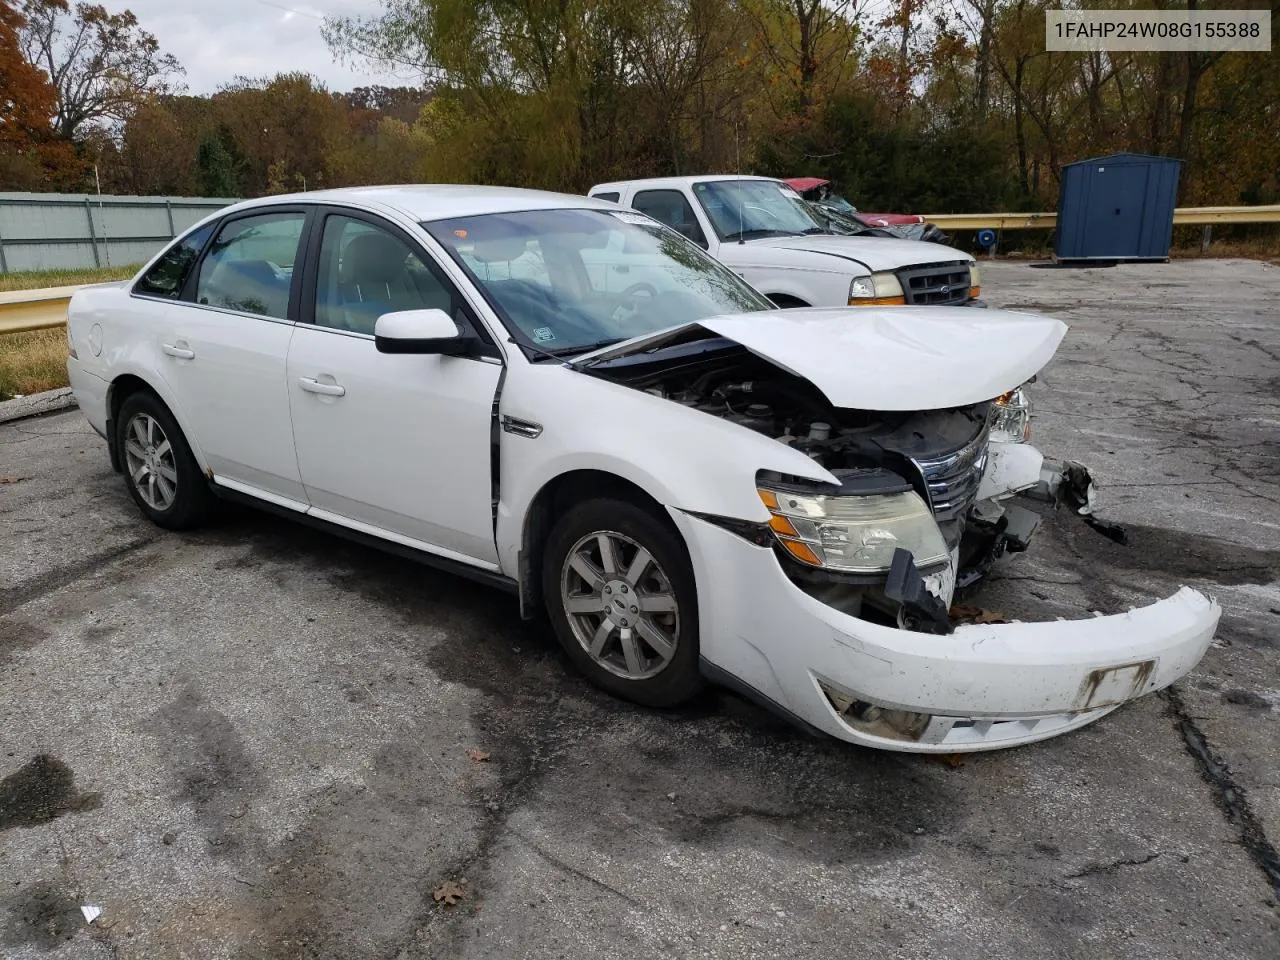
619, 589
159, 468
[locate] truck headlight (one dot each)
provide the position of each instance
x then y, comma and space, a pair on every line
856, 534
877, 290
975, 282
1010, 416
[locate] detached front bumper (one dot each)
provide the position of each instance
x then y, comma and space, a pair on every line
982, 687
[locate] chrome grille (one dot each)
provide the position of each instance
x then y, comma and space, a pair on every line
952, 480
935, 284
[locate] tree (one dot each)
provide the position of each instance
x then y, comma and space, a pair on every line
102, 65
216, 166
26, 95
30, 158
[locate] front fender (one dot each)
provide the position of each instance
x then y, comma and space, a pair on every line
679, 456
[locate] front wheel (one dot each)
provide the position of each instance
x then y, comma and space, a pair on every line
620, 592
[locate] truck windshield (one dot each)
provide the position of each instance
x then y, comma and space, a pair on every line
743, 209
568, 281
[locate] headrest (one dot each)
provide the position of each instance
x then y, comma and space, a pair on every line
373, 258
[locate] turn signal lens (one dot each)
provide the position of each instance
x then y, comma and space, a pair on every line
975, 293
802, 552
880, 302
783, 526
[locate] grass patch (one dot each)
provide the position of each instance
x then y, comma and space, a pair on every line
32, 362
36, 279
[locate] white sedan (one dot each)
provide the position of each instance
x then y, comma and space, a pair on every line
574, 403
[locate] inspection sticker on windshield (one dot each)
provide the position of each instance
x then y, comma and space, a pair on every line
543, 335
639, 219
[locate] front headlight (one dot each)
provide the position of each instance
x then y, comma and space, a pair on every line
1010, 416
855, 534
975, 282
878, 290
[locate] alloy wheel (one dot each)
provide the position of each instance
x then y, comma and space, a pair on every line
149, 459
620, 605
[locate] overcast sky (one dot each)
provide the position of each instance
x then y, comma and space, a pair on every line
218, 40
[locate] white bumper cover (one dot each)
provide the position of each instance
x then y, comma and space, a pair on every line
91, 394
985, 686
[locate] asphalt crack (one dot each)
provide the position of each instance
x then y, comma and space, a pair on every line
1111, 867
1231, 797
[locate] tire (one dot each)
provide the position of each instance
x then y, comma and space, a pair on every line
647, 656
176, 495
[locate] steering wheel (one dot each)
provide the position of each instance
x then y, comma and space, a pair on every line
771, 215
637, 288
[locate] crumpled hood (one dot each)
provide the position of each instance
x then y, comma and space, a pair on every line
878, 253
893, 358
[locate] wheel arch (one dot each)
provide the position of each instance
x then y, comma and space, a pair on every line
551, 501
126, 384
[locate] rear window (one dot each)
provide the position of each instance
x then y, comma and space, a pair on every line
168, 274
612, 196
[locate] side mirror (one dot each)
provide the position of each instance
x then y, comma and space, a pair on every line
421, 331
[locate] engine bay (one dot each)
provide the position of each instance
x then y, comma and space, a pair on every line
736, 385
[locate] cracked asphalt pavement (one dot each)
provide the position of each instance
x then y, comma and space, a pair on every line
253, 741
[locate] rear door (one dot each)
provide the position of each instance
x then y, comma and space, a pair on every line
397, 445
223, 348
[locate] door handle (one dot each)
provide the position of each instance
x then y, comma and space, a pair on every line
311, 385
179, 350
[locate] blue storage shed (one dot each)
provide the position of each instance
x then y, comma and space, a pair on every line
1117, 208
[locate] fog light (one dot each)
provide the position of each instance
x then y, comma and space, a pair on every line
874, 720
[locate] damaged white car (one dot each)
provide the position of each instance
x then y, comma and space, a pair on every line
577, 404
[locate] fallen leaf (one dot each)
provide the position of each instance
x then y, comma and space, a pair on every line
972, 613
10, 479
478, 756
449, 893
950, 759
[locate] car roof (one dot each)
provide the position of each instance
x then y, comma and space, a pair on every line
431, 201
658, 182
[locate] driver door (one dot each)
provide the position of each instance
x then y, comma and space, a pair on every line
394, 445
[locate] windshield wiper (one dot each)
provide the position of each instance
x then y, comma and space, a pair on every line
758, 232
561, 352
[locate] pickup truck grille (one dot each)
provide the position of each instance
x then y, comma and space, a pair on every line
952, 479
935, 284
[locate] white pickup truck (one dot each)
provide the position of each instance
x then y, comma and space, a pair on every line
765, 233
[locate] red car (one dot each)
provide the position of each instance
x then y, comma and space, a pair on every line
819, 191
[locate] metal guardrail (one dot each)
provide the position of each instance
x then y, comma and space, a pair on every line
1182, 216
22, 311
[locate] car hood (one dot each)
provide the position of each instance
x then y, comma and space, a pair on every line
877, 253
895, 358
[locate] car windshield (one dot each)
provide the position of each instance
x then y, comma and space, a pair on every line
744, 209
840, 203
568, 281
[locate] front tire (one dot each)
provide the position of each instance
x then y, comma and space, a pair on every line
620, 593
159, 469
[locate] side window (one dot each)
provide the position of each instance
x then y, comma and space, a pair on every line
250, 265
611, 196
167, 275
366, 271
672, 208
